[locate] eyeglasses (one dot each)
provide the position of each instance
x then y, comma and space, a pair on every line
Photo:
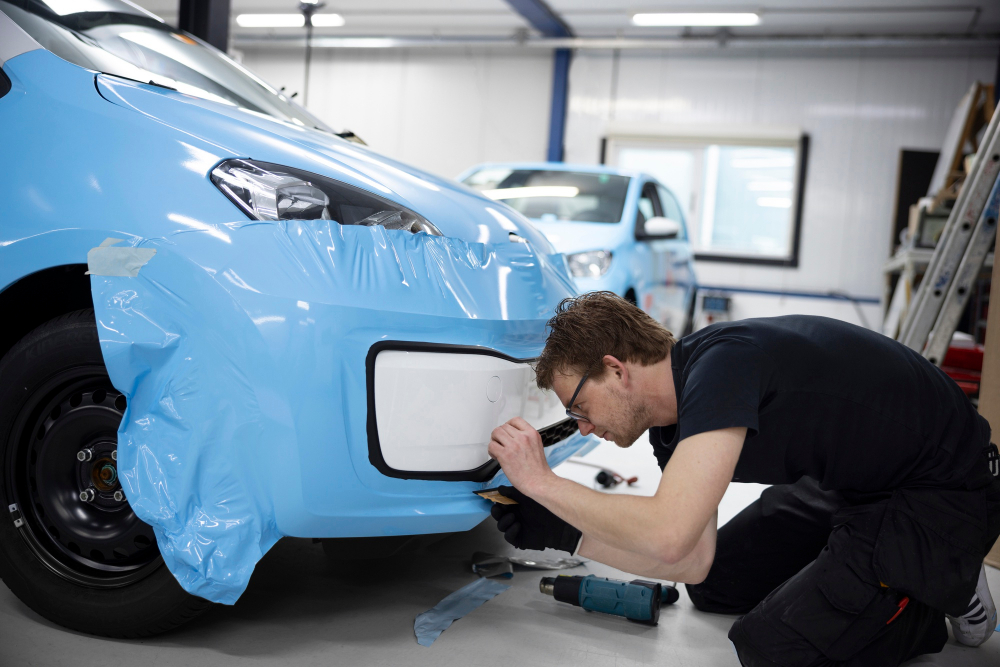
572, 401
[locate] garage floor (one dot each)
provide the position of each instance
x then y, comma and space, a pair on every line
299, 610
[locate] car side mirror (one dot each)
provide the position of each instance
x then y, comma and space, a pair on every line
661, 228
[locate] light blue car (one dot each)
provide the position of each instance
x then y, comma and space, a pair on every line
621, 231
223, 323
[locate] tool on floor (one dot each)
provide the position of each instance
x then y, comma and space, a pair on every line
637, 600
607, 478
491, 565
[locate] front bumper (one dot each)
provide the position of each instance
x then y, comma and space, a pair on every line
244, 353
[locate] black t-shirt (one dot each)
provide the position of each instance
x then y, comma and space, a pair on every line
849, 407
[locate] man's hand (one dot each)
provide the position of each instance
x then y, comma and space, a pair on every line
518, 449
528, 525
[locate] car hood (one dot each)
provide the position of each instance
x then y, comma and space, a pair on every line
568, 236
456, 210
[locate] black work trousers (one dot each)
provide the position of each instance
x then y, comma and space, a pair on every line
827, 580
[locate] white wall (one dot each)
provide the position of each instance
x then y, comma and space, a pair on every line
859, 112
440, 110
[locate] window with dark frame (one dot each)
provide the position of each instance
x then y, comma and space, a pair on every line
742, 197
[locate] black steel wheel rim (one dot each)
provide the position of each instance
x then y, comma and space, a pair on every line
62, 468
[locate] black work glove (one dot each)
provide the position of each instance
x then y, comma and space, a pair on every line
528, 525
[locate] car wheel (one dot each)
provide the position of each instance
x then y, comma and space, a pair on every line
71, 548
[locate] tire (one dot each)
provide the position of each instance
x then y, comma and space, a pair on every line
87, 564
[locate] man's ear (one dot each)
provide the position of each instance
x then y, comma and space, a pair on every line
617, 368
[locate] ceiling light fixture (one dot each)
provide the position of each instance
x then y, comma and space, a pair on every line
328, 20
696, 19
270, 20
288, 20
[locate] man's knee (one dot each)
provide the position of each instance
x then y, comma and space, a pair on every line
723, 593
708, 596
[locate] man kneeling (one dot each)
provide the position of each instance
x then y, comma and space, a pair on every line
885, 495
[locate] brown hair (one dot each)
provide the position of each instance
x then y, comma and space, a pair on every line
589, 326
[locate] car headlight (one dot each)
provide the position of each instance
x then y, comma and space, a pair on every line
267, 191
593, 264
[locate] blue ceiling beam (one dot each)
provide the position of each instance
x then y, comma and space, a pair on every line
541, 17
560, 99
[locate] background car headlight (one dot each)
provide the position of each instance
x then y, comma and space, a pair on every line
593, 264
266, 191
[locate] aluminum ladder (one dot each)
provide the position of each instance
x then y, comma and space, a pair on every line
967, 237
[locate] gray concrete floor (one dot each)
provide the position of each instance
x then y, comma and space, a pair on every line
299, 610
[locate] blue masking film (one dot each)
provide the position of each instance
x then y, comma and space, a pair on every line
429, 625
241, 350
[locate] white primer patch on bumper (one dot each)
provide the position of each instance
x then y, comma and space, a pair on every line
435, 410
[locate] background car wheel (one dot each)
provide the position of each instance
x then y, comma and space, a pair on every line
71, 548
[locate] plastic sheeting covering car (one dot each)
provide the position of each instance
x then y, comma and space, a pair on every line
241, 349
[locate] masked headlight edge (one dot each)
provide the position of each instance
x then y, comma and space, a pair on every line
591, 264
273, 192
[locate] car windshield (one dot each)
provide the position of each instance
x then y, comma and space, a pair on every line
118, 38
553, 195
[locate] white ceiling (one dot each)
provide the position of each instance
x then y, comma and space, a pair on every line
612, 18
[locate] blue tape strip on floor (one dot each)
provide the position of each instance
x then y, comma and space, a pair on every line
429, 625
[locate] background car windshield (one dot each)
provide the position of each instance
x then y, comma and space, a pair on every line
118, 38
555, 195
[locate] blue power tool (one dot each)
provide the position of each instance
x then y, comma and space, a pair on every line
636, 600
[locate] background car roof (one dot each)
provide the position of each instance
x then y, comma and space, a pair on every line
561, 166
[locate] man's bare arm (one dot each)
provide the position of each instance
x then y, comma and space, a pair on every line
665, 527
692, 569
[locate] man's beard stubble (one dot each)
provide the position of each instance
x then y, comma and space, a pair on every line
632, 422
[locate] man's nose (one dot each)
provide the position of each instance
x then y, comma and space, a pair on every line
585, 427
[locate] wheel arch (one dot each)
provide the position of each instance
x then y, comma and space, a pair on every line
38, 297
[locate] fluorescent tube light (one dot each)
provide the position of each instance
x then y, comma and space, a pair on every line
691, 19
533, 191
328, 20
288, 20
270, 20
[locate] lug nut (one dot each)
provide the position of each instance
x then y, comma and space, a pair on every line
114, 455
85, 454
88, 494
119, 496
